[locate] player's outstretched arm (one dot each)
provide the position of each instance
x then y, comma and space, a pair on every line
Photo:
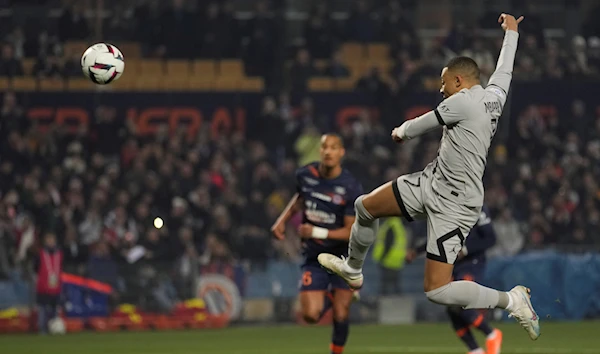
415, 127
341, 234
293, 206
503, 74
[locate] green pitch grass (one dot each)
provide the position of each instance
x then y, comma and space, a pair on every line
557, 338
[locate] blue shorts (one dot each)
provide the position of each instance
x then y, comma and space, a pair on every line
314, 277
468, 271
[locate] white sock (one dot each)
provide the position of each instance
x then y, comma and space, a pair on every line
466, 294
357, 251
492, 335
510, 302
362, 236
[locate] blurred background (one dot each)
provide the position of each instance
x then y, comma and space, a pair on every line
221, 101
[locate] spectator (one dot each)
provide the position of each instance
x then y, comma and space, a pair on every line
178, 30
404, 42
215, 33
18, 41
301, 71
510, 238
73, 24
48, 67
361, 27
336, 67
372, 83
482, 56
261, 42
395, 22
308, 145
319, 32
9, 65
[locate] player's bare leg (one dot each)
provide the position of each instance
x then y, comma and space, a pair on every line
311, 305
379, 203
342, 299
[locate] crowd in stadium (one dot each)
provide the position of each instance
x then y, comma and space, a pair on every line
218, 198
190, 29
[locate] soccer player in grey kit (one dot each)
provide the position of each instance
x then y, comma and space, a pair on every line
448, 193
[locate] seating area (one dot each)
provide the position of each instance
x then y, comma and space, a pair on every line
359, 58
202, 74
146, 75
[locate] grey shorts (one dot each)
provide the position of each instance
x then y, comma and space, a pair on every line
448, 223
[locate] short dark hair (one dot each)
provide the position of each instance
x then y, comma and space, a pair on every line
334, 135
465, 66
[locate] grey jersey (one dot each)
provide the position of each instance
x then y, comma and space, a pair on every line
469, 119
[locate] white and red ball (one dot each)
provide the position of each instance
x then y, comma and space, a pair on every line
102, 63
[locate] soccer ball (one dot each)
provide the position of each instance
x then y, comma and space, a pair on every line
102, 63
56, 326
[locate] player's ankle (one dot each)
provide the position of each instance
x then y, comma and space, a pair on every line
511, 302
492, 335
353, 265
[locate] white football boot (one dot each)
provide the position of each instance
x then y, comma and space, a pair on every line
523, 311
338, 266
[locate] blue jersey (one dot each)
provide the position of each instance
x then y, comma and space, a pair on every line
326, 203
481, 238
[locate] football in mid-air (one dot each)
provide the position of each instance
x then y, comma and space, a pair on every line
102, 63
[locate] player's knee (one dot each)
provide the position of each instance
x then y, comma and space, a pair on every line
437, 281
438, 295
362, 214
453, 310
311, 316
340, 314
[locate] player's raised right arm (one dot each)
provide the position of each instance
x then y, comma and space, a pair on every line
502, 77
293, 206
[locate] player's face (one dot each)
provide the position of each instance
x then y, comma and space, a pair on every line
450, 83
332, 151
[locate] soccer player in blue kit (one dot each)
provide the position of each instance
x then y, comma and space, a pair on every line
470, 266
325, 192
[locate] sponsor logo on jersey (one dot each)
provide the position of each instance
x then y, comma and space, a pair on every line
337, 199
311, 181
321, 196
443, 108
320, 217
340, 190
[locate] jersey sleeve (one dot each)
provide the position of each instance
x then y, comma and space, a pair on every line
452, 110
500, 80
298, 181
354, 193
449, 112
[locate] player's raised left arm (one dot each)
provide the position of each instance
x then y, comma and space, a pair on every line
502, 77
